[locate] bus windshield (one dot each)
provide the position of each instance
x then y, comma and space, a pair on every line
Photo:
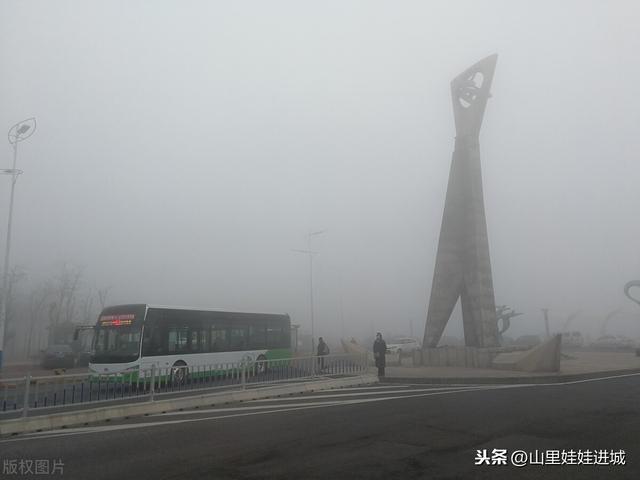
118, 334
116, 344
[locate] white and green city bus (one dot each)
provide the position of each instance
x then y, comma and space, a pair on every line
131, 339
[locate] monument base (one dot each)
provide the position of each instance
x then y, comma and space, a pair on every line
450, 356
541, 358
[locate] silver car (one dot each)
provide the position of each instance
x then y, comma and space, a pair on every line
403, 346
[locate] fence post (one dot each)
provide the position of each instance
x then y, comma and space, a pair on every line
25, 402
152, 388
243, 374
314, 365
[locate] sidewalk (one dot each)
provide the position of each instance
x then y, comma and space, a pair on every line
573, 366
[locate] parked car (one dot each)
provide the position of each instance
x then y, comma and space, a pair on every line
572, 339
527, 340
611, 342
58, 356
403, 346
82, 359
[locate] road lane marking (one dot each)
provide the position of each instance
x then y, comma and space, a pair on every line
371, 387
286, 404
336, 395
594, 379
239, 409
98, 429
275, 409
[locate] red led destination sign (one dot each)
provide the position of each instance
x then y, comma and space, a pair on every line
121, 320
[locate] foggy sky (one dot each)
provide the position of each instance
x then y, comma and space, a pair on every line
184, 148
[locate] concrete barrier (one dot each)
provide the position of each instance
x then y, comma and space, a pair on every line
459, 356
541, 358
93, 415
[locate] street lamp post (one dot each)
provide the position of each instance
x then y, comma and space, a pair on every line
19, 132
311, 253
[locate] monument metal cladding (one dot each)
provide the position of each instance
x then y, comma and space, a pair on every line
463, 267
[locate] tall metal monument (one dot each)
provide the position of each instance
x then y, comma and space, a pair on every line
463, 267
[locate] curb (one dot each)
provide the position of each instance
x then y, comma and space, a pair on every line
539, 379
83, 417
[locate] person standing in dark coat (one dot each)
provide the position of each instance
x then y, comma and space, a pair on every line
323, 349
379, 353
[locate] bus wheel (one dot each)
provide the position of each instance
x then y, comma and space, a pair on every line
261, 365
179, 372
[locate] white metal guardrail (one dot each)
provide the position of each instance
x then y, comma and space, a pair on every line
19, 396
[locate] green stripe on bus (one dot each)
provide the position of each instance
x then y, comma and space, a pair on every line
278, 354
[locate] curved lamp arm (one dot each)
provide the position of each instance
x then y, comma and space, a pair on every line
627, 288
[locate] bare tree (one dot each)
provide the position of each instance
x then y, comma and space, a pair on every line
89, 307
66, 286
16, 275
88, 310
36, 304
102, 296
46, 312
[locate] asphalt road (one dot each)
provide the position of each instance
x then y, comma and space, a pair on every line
378, 432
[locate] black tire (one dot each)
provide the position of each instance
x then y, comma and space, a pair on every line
179, 373
261, 365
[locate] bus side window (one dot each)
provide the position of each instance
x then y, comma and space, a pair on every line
194, 346
219, 341
257, 337
151, 340
178, 339
199, 339
205, 339
238, 338
275, 337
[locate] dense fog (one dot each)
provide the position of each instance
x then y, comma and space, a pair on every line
183, 149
